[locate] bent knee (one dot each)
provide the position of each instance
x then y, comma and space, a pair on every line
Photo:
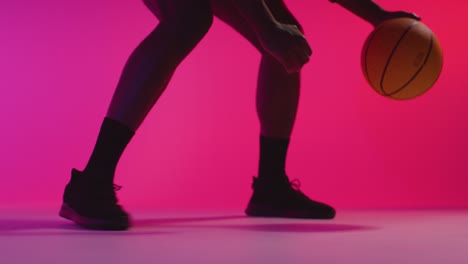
198, 22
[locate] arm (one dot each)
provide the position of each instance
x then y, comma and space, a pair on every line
370, 11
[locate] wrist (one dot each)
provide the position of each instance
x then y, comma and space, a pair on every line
368, 10
377, 16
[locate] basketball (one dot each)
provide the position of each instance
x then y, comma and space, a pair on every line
402, 58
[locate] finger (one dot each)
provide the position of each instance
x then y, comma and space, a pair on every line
308, 49
302, 59
305, 46
405, 14
288, 63
305, 59
303, 51
301, 55
294, 59
297, 61
416, 16
303, 39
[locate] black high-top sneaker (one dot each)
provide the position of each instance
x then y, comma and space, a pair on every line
92, 204
281, 198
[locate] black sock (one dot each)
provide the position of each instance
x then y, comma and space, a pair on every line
272, 157
112, 141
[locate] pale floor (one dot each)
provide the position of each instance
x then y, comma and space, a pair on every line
376, 237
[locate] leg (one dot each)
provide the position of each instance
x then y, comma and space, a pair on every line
89, 199
277, 91
182, 25
277, 100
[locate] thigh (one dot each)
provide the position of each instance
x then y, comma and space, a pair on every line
167, 9
228, 13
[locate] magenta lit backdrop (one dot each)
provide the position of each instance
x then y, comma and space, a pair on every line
60, 62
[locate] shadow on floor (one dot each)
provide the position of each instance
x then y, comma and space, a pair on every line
32, 227
289, 225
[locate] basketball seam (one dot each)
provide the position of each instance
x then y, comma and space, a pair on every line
419, 70
367, 52
392, 54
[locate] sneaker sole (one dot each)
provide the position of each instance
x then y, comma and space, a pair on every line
262, 211
92, 223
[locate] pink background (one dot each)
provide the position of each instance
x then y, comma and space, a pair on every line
60, 62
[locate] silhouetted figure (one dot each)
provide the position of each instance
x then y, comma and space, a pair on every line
89, 199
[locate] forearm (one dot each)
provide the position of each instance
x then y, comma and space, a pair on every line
365, 9
256, 13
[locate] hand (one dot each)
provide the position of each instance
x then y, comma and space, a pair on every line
288, 45
396, 14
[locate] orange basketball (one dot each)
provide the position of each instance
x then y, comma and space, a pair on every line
401, 58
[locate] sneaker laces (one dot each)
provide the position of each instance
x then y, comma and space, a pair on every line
112, 196
296, 187
295, 184
106, 193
